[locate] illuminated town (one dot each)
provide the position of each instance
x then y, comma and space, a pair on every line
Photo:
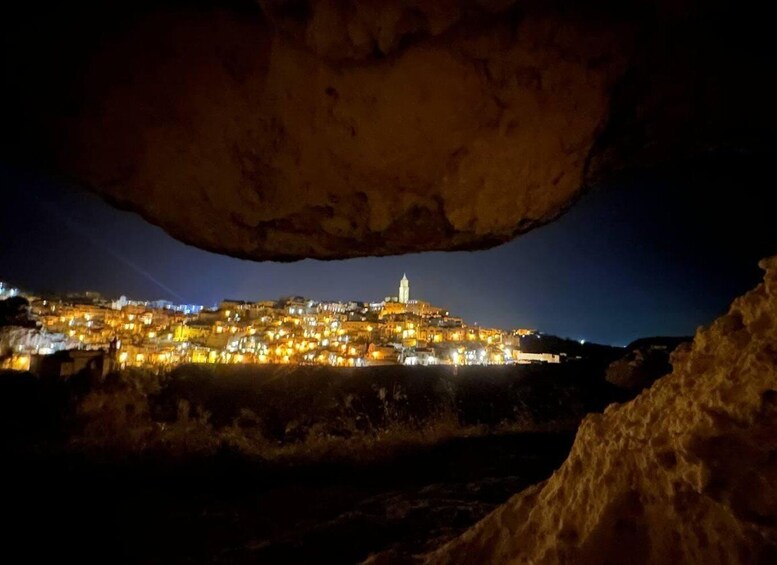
121, 333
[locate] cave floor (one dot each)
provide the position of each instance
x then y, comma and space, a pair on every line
226, 509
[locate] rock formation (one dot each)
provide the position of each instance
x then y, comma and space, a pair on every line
647, 360
685, 473
324, 128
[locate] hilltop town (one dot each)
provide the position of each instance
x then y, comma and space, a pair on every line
78, 329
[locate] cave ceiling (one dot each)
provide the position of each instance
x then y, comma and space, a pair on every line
280, 130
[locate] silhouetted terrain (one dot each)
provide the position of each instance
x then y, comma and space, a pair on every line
278, 464
646, 360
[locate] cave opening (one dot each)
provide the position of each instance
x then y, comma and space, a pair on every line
388, 281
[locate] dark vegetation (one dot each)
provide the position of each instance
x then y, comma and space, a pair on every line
15, 311
279, 464
274, 411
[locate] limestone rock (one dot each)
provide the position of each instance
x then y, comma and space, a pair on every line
685, 473
293, 155
288, 129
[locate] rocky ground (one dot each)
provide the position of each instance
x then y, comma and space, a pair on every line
228, 509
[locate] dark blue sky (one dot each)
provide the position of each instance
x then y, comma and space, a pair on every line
649, 255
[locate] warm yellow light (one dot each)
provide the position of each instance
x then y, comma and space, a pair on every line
199, 357
20, 362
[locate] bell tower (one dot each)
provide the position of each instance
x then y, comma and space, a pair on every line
404, 289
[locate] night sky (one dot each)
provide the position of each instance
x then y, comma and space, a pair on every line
650, 254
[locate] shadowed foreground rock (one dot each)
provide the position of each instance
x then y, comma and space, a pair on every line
685, 473
291, 129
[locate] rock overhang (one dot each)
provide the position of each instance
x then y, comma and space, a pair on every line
283, 130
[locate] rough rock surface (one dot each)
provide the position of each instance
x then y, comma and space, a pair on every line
685, 473
331, 129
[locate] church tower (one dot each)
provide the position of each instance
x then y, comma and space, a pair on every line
404, 289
